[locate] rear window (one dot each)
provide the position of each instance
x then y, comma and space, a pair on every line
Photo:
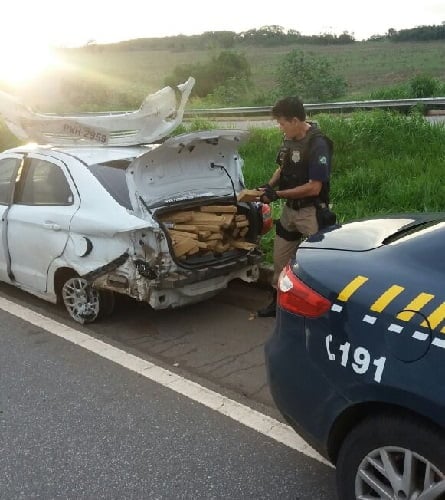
424, 244
111, 175
407, 231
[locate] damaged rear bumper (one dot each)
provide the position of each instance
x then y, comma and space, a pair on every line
177, 288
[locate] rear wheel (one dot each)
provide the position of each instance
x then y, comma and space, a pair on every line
392, 457
85, 303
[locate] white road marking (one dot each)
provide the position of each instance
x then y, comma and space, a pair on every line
243, 414
336, 308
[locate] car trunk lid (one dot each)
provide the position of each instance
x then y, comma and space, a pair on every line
187, 167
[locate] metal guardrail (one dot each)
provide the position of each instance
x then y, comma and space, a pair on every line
427, 102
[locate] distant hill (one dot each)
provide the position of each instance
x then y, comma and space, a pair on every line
118, 76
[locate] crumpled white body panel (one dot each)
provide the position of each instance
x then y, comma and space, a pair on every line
159, 114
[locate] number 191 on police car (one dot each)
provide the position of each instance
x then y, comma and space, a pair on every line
358, 359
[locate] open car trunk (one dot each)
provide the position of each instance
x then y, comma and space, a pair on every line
208, 233
189, 186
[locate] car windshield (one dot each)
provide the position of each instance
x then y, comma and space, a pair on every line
111, 175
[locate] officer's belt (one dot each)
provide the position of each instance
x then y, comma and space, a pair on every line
301, 203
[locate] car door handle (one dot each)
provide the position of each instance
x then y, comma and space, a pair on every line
51, 225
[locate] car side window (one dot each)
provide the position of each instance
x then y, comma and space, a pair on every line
8, 168
44, 184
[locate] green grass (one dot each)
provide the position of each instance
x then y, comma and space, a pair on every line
384, 162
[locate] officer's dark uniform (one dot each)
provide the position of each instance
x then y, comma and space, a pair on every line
300, 160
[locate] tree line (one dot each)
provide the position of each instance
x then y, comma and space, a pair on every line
266, 36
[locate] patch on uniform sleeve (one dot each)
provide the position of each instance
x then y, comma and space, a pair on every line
322, 160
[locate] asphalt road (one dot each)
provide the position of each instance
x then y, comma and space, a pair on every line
75, 425
219, 341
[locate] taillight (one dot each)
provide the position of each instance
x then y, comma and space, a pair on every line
296, 297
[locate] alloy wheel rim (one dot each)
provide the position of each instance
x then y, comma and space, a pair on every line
81, 300
396, 473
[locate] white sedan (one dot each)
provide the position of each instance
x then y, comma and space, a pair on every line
159, 222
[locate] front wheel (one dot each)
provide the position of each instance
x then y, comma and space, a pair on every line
84, 303
392, 457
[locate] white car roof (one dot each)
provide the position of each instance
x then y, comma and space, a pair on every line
88, 155
91, 156
159, 114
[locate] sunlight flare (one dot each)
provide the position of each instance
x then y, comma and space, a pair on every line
21, 63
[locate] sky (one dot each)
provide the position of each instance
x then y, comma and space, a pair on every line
75, 22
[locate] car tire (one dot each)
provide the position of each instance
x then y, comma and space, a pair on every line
374, 458
84, 303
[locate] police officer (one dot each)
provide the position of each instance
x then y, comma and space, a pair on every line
302, 179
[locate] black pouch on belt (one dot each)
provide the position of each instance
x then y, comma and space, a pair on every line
325, 216
285, 234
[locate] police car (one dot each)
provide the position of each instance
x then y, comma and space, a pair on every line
356, 360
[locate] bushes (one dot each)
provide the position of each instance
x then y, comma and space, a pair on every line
423, 86
310, 77
228, 93
218, 72
420, 86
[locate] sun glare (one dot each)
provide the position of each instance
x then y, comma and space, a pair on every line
20, 64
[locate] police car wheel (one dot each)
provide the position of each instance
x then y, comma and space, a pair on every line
392, 456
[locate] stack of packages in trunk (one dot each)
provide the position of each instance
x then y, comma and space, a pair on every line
207, 229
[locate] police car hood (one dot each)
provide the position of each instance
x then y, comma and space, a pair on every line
188, 166
367, 234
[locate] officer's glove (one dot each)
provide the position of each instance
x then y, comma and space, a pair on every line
270, 194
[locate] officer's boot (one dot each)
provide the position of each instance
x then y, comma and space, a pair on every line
270, 310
